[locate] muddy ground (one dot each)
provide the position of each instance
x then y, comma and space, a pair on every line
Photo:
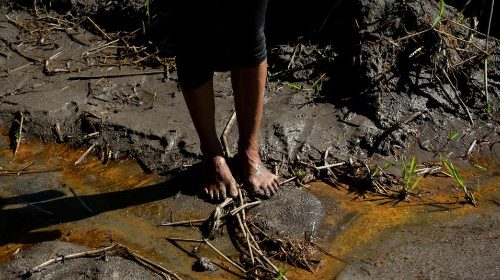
397, 83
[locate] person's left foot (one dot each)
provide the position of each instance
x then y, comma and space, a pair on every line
258, 178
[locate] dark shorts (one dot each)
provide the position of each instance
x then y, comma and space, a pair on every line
213, 35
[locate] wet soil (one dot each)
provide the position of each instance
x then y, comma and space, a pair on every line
430, 236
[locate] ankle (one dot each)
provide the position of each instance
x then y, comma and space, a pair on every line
249, 154
211, 150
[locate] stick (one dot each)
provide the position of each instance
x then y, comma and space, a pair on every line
22, 172
243, 212
460, 101
288, 180
98, 28
330, 165
227, 129
57, 129
247, 237
19, 68
96, 49
335, 6
87, 254
81, 201
224, 256
184, 239
242, 207
427, 170
471, 148
151, 263
19, 135
90, 135
240, 223
486, 58
267, 261
181, 223
87, 152
91, 77
250, 249
293, 56
40, 209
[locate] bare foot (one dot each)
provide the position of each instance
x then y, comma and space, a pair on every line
219, 182
260, 180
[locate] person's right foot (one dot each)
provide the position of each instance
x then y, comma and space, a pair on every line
219, 181
259, 180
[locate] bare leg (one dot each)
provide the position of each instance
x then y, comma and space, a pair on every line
249, 87
220, 182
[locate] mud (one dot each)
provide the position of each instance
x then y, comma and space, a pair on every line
109, 267
289, 214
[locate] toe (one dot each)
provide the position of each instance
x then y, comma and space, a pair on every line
216, 196
272, 189
233, 189
267, 192
211, 194
222, 191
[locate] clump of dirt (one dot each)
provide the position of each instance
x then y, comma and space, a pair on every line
412, 57
103, 266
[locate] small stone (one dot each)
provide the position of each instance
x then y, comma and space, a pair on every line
204, 264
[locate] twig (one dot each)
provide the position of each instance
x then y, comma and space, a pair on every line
81, 201
218, 214
223, 137
293, 56
184, 239
19, 68
91, 77
330, 165
87, 254
427, 170
98, 28
259, 252
86, 136
224, 256
57, 129
240, 223
20, 133
486, 58
22, 172
249, 245
471, 148
87, 152
99, 48
40, 209
412, 35
294, 69
288, 180
460, 101
242, 207
151, 263
243, 212
94, 253
335, 6
249, 233
326, 252
182, 223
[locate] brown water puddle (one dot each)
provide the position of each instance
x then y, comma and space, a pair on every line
128, 203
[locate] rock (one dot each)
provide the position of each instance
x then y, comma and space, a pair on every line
289, 214
204, 264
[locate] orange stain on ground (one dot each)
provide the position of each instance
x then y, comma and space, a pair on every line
135, 226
